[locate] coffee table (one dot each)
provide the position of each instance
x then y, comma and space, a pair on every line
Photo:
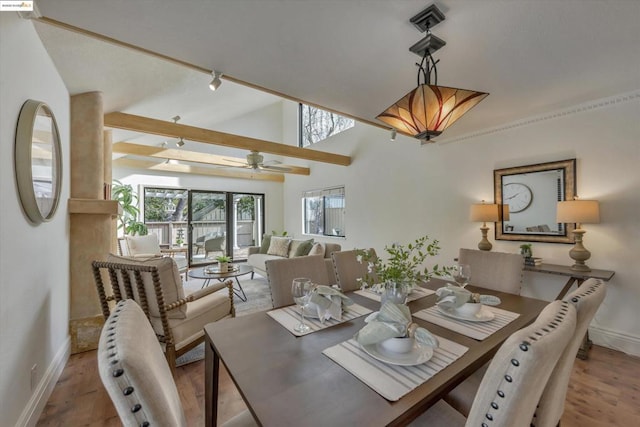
240, 270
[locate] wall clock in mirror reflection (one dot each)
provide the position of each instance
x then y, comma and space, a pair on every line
38, 161
518, 196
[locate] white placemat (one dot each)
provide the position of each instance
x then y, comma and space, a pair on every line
417, 293
475, 330
392, 381
289, 317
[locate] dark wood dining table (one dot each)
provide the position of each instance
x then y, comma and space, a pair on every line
287, 381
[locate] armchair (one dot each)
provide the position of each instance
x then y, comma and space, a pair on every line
143, 247
177, 318
215, 244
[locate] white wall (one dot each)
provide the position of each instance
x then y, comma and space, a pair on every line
34, 260
397, 191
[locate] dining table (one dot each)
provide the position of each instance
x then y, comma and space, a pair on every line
286, 379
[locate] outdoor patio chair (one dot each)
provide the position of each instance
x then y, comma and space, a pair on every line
177, 318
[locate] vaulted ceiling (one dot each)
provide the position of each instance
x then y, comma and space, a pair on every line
350, 56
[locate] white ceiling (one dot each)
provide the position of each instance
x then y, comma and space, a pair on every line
532, 56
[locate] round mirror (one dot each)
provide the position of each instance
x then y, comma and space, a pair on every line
38, 161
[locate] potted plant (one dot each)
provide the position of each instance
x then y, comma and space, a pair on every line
128, 200
403, 266
180, 237
223, 263
525, 250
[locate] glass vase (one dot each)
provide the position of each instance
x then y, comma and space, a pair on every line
396, 292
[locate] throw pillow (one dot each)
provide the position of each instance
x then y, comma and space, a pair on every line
279, 246
317, 250
300, 248
266, 242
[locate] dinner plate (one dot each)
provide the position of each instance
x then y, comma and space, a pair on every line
419, 354
484, 315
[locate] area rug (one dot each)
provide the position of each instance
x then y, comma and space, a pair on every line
258, 299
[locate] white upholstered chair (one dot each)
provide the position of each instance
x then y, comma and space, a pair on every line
494, 270
512, 386
147, 246
348, 269
177, 318
135, 373
586, 300
281, 272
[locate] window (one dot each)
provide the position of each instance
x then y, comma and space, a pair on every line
317, 125
324, 211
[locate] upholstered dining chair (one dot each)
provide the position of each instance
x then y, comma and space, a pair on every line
136, 375
586, 300
348, 269
177, 318
499, 271
512, 386
281, 272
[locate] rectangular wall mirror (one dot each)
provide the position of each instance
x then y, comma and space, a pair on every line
532, 193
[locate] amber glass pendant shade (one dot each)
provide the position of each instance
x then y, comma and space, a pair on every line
428, 110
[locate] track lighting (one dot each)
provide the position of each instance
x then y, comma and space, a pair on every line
180, 142
393, 134
216, 82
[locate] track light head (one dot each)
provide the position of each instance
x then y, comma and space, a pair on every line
180, 142
216, 82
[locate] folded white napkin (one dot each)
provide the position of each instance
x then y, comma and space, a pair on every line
328, 302
393, 320
452, 296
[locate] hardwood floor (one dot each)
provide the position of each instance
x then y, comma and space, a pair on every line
604, 391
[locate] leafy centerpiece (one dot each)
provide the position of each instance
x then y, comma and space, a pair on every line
403, 266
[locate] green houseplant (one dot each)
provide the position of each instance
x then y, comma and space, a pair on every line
128, 200
403, 264
223, 263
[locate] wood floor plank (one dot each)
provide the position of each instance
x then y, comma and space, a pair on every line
604, 391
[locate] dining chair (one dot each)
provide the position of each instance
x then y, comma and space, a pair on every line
586, 300
177, 318
348, 269
517, 375
499, 271
135, 374
281, 272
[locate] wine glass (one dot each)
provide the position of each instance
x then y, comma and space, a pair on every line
462, 274
301, 291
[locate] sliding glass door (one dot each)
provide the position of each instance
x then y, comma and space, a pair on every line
208, 226
206, 223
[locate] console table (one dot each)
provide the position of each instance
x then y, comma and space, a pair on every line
577, 277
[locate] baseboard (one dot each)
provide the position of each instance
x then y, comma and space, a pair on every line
626, 343
39, 398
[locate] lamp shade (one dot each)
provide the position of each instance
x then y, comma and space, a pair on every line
578, 211
428, 109
485, 213
505, 212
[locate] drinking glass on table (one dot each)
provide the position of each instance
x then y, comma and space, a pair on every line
301, 291
462, 274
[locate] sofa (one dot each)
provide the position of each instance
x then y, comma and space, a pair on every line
258, 255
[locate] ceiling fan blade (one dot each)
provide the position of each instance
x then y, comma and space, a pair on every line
236, 161
272, 162
275, 168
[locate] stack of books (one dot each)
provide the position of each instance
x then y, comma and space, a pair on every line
532, 261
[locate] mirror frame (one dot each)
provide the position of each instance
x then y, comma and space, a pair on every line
569, 171
23, 157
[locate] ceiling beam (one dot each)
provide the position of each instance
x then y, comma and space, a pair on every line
193, 156
196, 170
176, 130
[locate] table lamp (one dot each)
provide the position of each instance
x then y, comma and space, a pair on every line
481, 212
579, 212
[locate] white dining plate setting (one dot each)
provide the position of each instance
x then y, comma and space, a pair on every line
484, 315
419, 354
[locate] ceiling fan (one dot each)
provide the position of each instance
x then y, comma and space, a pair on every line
255, 161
